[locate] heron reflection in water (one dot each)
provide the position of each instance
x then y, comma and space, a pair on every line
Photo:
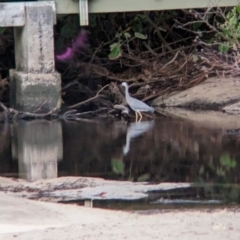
135, 104
135, 130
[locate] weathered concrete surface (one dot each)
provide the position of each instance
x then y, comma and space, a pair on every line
35, 81
34, 45
25, 219
12, 15
213, 94
30, 91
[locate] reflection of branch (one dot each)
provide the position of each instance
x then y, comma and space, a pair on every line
90, 99
74, 115
5, 109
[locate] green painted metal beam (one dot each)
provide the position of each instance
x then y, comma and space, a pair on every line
106, 6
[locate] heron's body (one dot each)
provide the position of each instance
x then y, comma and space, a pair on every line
135, 104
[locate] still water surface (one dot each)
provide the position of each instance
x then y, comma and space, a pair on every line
156, 151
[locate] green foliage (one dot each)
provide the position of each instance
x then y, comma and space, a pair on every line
201, 170
68, 30
226, 161
133, 31
223, 47
123, 38
115, 50
118, 166
226, 164
2, 29
229, 35
93, 19
197, 25
127, 35
234, 194
137, 23
143, 178
220, 171
140, 36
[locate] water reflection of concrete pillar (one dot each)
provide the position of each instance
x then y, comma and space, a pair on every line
38, 147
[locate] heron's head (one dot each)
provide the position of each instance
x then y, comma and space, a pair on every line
124, 84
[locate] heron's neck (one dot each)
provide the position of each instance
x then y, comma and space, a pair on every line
126, 92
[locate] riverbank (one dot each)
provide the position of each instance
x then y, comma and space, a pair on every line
27, 219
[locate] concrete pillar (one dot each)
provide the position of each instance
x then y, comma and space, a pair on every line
35, 81
38, 146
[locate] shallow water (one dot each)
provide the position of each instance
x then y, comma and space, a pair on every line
156, 151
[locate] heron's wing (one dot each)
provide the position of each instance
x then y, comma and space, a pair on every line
138, 105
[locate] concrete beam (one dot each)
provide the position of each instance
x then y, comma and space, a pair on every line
154, 5
13, 14
105, 6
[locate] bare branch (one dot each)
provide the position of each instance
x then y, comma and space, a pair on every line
90, 99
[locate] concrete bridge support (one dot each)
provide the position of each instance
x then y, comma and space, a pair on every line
34, 83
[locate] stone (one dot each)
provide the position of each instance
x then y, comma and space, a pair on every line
233, 108
208, 119
30, 91
213, 94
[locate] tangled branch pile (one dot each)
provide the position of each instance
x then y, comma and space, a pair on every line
155, 52
165, 51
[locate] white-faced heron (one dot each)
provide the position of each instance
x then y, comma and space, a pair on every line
135, 104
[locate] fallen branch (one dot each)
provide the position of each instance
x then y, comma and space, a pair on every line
15, 113
90, 99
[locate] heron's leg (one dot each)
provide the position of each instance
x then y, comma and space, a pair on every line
140, 116
136, 116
